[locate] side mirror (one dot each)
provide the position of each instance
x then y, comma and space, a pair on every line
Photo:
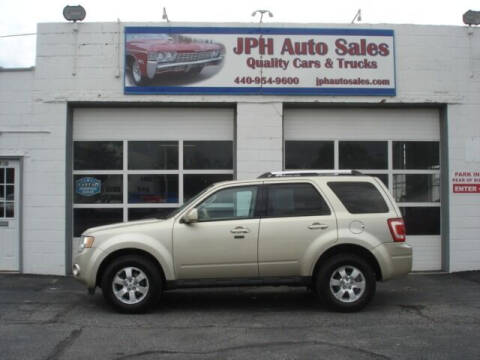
191, 216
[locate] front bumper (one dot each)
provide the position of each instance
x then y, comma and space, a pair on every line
395, 259
85, 266
153, 67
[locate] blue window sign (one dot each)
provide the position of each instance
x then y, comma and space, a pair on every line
88, 186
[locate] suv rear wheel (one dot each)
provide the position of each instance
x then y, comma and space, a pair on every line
131, 284
346, 282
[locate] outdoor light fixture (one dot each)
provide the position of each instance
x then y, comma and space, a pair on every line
74, 13
471, 18
165, 16
358, 16
262, 12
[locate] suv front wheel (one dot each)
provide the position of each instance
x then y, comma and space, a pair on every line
131, 284
346, 282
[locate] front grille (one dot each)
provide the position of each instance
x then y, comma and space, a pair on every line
193, 56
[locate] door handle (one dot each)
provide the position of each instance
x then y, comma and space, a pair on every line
317, 225
240, 230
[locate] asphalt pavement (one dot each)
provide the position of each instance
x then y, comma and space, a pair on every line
435, 316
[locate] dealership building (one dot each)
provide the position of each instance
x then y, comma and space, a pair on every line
119, 122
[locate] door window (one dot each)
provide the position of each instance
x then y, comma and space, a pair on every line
7, 192
229, 204
295, 200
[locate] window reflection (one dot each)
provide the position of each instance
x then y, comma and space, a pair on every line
194, 183
87, 218
363, 154
416, 155
416, 188
98, 155
208, 155
152, 155
309, 155
152, 189
148, 213
421, 220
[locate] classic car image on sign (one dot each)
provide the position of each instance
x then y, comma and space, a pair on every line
148, 55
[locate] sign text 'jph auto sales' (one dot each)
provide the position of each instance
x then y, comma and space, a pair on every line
265, 61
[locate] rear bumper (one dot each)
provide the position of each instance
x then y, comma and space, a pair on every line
395, 259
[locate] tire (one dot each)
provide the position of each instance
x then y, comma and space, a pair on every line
131, 284
137, 77
345, 283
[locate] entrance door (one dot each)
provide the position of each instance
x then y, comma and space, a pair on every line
9, 215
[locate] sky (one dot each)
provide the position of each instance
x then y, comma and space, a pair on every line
21, 16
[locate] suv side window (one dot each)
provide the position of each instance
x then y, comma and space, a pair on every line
359, 197
229, 204
294, 200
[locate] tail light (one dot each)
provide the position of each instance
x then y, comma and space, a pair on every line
397, 229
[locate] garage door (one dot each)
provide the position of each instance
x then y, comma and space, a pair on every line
135, 163
400, 146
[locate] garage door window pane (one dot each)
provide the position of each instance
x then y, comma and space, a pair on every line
363, 154
421, 220
98, 189
98, 155
416, 188
208, 155
309, 155
193, 184
148, 213
416, 155
153, 189
87, 218
153, 155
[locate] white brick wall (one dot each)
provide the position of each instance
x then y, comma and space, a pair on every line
36, 132
259, 139
435, 65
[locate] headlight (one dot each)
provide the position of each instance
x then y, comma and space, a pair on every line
87, 242
170, 56
167, 56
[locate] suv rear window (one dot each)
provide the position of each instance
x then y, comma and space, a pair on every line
359, 197
295, 200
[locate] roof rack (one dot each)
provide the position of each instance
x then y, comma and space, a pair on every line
272, 174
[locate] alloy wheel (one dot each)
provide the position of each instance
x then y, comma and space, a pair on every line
130, 285
347, 283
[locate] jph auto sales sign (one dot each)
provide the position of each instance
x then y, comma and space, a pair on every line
289, 61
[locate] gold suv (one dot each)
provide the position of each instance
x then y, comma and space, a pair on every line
335, 232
